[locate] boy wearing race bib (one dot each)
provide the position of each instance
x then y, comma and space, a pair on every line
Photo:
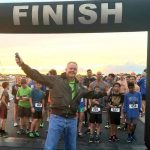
37, 108
24, 110
115, 101
96, 117
132, 110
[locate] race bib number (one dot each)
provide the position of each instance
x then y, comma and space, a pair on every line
133, 106
115, 109
95, 109
82, 100
38, 105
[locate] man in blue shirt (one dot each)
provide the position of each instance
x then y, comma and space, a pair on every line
142, 84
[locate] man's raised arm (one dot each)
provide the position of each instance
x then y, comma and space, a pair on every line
34, 74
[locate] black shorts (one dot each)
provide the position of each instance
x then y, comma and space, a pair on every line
37, 115
115, 118
143, 97
95, 118
24, 112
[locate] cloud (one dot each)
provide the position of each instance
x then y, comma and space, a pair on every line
125, 68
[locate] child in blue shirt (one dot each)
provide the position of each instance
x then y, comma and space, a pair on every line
132, 110
37, 108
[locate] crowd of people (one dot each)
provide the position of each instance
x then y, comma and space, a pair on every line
122, 97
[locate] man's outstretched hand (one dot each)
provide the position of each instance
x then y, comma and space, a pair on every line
18, 59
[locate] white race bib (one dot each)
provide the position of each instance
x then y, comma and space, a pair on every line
38, 105
133, 106
115, 109
95, 109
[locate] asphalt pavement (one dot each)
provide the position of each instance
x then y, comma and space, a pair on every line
22, 142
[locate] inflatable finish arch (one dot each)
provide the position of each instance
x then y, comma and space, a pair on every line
75, 16
81, 17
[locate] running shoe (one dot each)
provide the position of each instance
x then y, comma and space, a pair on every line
91, 139
97, 138
5, 134
80, 135
27, 131
31, 135
116, 138
21, 131
41, 125
15, 124
36, 133
110, 139
129, 140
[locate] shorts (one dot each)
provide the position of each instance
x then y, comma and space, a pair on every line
115, 118
95, 118
80, 109
37, 115
3, 113
131, 120
143, 97
24, 112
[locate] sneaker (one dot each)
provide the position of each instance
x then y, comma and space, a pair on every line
21, 131
116, 138
119, 127
47, 119
110, 139
107, 126
91, 139
15, 124
97, 138
5, 134
129, 140
36, 133
27, 131
41, 125
0, 133
80, 135
31, 135
87, 131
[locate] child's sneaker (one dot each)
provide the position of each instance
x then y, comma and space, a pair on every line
116, 138
36, 133
31, 135
129, 140
0, 132
5, 134
107, 126
80, 135
27, 131
91, 139
97, 138
21, 131
41, 125
110, 139
15, 124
